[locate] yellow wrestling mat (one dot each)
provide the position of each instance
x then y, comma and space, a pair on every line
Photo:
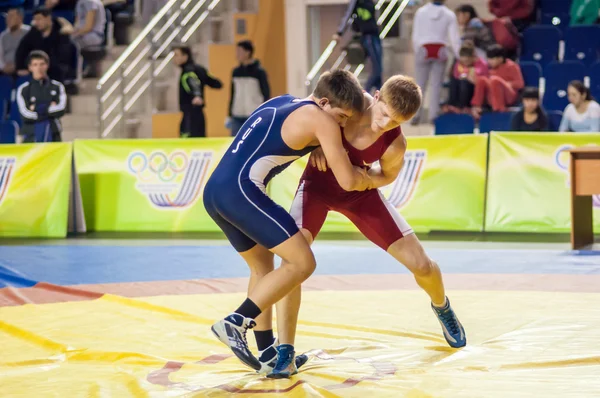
364, 344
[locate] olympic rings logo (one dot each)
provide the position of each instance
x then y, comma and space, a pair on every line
158, 164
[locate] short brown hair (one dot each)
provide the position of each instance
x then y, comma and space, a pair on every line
38, 54
467, 49
402, 95
342, 89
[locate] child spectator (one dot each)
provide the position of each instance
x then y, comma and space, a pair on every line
502, 88
582, 115
467, 71
531, 117
474, 29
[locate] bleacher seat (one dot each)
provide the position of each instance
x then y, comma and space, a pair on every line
558, 76
540, 44
554, 118
594, 74
559, 20
555, 6
582, 43
8, 132
6, 85
451, 123
532, 72
495, 121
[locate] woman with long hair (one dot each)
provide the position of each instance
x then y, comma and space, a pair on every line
582, 115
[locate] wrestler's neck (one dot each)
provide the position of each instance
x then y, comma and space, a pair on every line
362, 127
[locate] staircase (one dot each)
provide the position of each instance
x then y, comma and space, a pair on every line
129, 102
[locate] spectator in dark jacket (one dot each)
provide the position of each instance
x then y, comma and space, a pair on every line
531, 117
45, 35
41, 102
191, 92
474, 29
249, 87
365, 24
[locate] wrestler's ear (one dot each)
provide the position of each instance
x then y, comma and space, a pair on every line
376, 96
323, 102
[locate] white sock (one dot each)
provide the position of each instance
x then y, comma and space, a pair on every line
442, 305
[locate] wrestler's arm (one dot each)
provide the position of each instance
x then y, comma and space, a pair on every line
390, 164
349, 177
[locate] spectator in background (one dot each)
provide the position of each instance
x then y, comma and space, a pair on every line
191, 92
46, 35
582, 115
365, 24
474, 29
531, 117
150, 8
467, 71
90, 22
249, 87
60, 4
41, 102
435, 28
584, 12
503, 86
10, 39
520, 12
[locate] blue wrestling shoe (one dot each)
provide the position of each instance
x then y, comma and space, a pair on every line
268, 359
453, 330
285, 367
232, 332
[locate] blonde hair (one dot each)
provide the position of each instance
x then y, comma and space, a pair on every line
402, 95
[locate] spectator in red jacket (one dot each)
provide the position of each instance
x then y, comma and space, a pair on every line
519, 11
502, 88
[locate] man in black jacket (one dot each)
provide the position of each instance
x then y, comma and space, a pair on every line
41, 102
191, 92
45, 36
249, 87
365, 25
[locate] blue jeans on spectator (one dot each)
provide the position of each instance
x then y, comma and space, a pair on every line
372, 46
236, 124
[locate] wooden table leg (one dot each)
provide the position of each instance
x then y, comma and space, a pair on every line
582, 223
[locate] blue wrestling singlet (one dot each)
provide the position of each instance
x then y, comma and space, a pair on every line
235, 195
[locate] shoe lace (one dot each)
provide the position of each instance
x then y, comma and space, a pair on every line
242, 343
450, 321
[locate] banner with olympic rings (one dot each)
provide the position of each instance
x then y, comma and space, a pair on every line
34, 189
147, 185
440, 187
528, 182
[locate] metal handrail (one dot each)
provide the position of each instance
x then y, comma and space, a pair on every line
136, 70
333, 43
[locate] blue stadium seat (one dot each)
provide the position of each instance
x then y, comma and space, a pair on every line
558, 75
555, 6
495, 121
451, 123
6, 85
582, 43
540, 44
14, 114
8, 132
532, 72
560, 20
594, 74
554, 118
28, 17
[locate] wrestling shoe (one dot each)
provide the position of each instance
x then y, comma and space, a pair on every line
453, 330
285, 367
232, 332
268, 358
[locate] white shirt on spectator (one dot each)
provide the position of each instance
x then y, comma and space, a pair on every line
436, 24
587, 122
81, 10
